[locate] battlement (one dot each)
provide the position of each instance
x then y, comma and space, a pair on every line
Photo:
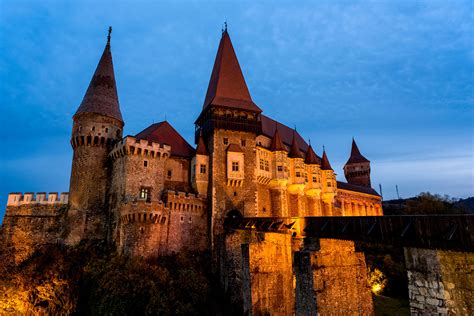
184, 202
129, 145
17, 199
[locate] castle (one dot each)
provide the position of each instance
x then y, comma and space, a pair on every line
153, 193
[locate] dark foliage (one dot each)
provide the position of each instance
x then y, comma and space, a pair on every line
426, 204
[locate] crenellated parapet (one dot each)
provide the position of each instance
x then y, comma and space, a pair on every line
141, 211
132, 146
184, 203
17, 199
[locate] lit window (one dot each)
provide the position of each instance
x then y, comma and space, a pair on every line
243, 142
280, 168
169, 174
235, 166
203, 168
144, 193
226, 140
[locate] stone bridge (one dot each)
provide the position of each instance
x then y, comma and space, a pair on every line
310, 266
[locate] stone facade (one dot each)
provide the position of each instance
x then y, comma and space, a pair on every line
440, 282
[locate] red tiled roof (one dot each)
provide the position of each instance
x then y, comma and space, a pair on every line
201, 147
268, 129
164, 133
311, 158
325, 165
277, 144
356, 188
101, 95
295, 151
235, 148
227, 85
356, 156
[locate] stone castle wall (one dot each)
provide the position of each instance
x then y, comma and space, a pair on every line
32, 220
150, 229
440, 282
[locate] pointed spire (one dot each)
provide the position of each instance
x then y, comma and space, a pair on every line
356, 156
201, 146
311, 158
294, 150
325, 165
101, 95
277, 144
227, 85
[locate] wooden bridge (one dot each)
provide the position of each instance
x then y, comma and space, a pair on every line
447, 232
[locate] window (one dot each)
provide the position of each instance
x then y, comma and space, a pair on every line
106, 130
144, 193
181, 219
243, 142
145, 163
226, 140
190, 219
169, 174
262, 164
93, 128
298, 174
267, 166
235, 193
280, 168
329, 183
314, 179
235, 166
80, 128
203, 168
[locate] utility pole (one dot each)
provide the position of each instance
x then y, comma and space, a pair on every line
380, 189
396, 187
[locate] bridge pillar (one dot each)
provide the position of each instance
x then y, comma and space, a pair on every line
440, 282
257, 272
331, 279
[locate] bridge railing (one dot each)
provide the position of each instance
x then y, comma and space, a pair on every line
451, 232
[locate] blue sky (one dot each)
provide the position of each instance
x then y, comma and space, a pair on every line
396, 75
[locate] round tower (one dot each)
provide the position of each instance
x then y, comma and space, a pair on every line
97, 125
357, 168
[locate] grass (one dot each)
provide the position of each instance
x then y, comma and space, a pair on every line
384, 305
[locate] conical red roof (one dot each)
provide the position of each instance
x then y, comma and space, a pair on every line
294, 149
277, 144
201, 147
227, 86
101, 95
356, 156
325, 165
311, 158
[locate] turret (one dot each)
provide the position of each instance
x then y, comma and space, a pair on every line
312, 162
328, 179
357, 168
297, 168
97, 125
280, 167
200, 168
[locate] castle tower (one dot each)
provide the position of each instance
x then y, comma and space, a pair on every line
357, 168
313, 184
279, 196
297, 179
97, 125
328, 179
229, 122
200, 168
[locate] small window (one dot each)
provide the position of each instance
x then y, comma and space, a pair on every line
298, 174
118, 133
235, 166
314, 179
80, 128
235, 193
181, 219
226, 140
93, 128
144, 193
169, 174
329, 183
280, 168
267, 165
202, 168
145, 163
243, 142
190, 219
262, 164
106, 129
